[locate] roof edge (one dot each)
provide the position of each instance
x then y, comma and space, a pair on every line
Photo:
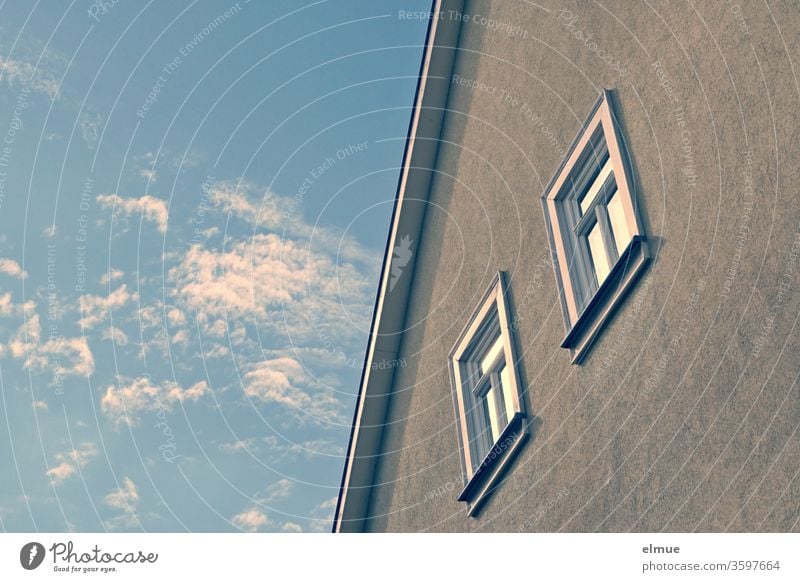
391, 298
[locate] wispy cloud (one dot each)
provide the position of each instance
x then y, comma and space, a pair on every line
238, 446
263, 208
10, 309
281, 489
124, 404
12, 268
279, 449
192, 394
90, 128
176, 317
111, 276
250, 520
63, 356
296, 283
124, 499
281, 284
95, 308
115, 335
147, 207
242, 200
18, 73
70, 356
249, 279
70, 461
323, 515
61, 472
283, 381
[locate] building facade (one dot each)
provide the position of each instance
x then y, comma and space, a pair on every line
586, 316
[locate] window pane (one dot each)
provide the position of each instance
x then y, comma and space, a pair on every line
508, 397
491, 356
482, 438
619, 225
599, 256
596, 186
491, 401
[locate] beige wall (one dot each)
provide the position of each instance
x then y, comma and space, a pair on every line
684, 414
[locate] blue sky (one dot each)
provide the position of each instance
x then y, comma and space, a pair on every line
194, 200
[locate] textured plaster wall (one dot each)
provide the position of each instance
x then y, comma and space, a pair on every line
684, 416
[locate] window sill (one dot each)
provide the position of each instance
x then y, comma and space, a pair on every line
484, 480
602, 305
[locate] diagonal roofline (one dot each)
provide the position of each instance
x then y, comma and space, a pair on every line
413, 186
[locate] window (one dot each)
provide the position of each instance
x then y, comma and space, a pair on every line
593, 224
487, 396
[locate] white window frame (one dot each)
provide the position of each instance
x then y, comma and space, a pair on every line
484, 455
590, 289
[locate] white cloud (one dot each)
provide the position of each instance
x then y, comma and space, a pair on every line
10, 309
235, 197
248, 279
150, 321
319, 447
7, 306
27, 336
153, 321
237, 446
328, 504
82, 455
191, 394
124, 499
302, 284
70, 461
124, 404
148, 207
291, 527
295, 283
218, 351
250, 520
279, 283
264, 209
90, 128
61, 473
116, 336
111, 276
273, 380
176, 317
280, 450
12, 268
281, 489
24, 74
181, 337
323, 515
76, 352
283, 381
238, 336
95, 308
62, 356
